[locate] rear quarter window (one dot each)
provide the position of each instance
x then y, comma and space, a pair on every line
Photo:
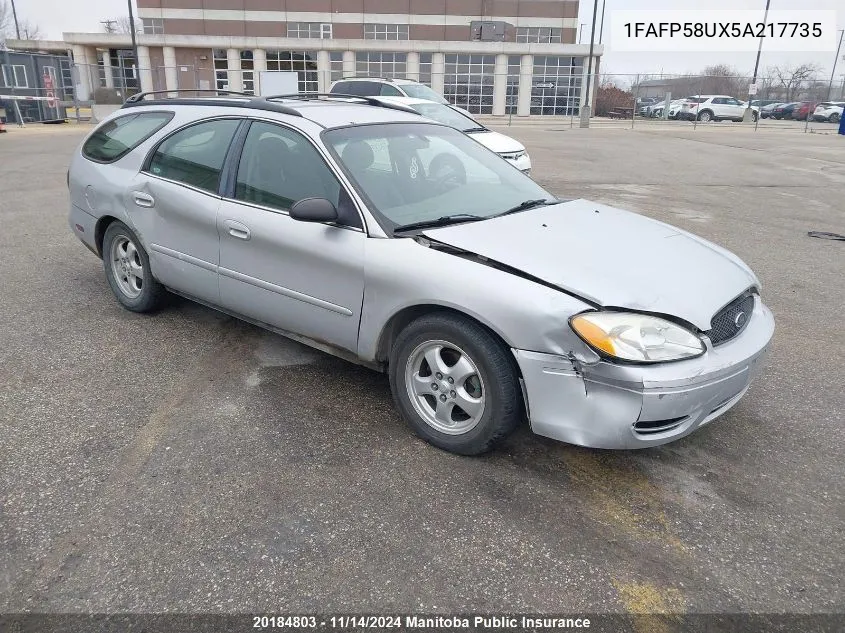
116, 138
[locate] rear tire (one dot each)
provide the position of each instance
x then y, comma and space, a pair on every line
834, 118
455, 383
128, 272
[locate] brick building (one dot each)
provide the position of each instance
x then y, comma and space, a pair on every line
488, 56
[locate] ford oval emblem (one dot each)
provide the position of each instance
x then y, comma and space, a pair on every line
740, 319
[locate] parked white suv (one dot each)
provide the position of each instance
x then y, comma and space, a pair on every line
715, 108
829, 111
385, 87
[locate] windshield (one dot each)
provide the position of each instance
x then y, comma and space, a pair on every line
416, 172
447, 116
421, 91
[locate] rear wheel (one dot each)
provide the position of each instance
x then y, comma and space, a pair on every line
834, 118
128, 271
455, 383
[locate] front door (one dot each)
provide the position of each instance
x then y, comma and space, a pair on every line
302, 277
174, 201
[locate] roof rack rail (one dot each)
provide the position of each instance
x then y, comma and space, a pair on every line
249, 101
140, 95
373, 101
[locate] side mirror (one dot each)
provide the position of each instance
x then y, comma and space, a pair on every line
313, 210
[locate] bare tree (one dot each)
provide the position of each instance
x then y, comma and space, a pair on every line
790, 79
30, 31
722, 79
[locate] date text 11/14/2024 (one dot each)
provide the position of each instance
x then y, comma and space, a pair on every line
421, 622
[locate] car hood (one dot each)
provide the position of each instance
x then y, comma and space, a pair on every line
610, 257
499, 143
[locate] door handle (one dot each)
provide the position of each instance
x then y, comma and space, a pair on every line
236, 229
143, 199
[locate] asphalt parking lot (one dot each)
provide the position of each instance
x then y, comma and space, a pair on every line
189, 462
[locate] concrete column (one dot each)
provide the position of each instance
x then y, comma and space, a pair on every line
586, 100
324, 71
526, 75
500, 85
236, 83
348, 64
171, 73
412, 69
438, 70
83, 86
259, 64
145, 71
106, 57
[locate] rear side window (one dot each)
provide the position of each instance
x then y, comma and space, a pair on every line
389, 91
342, 87
116, 138
195, 155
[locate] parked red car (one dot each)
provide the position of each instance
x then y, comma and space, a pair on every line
804, 109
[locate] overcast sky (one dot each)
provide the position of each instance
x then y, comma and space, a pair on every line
54, 18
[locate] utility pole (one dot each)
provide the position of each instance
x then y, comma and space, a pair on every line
110, 26
586, 105
134, 44
835, 59
601, 28
747, 115
15, 17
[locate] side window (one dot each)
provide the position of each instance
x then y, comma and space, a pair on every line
719, 100
390, 91
341, 87
116, 138
279, 167
194, 156
364, 88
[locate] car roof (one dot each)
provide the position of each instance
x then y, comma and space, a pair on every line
327, 112
386, 80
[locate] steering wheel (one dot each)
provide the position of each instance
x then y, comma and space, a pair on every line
447, 169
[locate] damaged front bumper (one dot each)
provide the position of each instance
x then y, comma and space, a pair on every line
609, 405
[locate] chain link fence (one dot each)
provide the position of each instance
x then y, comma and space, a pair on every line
89, 92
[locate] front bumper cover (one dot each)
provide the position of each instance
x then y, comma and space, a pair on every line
610, 405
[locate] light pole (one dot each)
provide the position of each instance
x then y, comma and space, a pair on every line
15, 17
601, 28
747, 116
586, 106
134, 44
835, 59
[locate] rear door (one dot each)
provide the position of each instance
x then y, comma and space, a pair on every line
174, 200
301, 277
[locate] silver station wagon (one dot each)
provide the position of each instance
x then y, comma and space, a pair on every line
404, 245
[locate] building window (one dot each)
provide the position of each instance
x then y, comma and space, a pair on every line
247, 73
304, 63
388, 65
335, 65
425, 69
221, 69
385, 31
311, 30
538, 35
14, 76
468, 82
152, 26
556, 86
67, 79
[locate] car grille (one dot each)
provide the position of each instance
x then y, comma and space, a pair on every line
731, 320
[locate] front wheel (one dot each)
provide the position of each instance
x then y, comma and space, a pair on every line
127, 268
834, 118
455, 383
705, 117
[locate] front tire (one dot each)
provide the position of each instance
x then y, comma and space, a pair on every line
455, 383
706, 116
127, 268
834, 118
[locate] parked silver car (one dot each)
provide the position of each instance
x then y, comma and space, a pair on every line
406, 246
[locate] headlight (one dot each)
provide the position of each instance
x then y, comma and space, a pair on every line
636, 337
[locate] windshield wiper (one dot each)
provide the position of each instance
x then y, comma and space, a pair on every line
443, 220
474, 129
527, 204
